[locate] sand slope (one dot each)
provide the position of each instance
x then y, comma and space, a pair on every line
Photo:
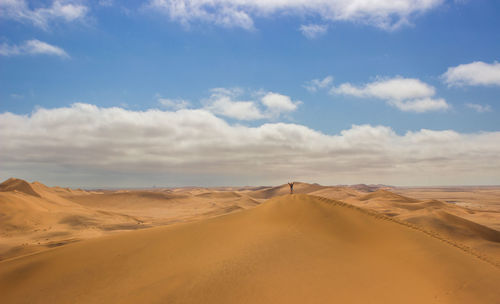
19, 186
459, 224
34, 217
291, 249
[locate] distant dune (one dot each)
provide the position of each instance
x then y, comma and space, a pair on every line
18, 185
35, 217
291, 249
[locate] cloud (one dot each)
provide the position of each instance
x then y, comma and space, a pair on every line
397, 88
278, 103
59, 10
383, 14
317, 84
479, 108
313, 31
175, 104
406, 94
421, 105
226, 102
477, 73
32, 47
99, 146
222, 102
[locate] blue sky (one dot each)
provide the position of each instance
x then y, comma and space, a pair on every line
427, 65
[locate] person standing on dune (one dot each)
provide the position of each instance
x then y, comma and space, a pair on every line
291, 187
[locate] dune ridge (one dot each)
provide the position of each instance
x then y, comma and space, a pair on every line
490, 232
19, 185
472, 229
385, 195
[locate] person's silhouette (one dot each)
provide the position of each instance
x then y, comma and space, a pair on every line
291, 187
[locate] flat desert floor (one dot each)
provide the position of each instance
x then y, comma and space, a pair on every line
323, 244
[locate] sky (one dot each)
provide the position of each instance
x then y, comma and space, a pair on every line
222, 93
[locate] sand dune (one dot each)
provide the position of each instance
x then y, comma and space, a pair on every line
484, 202
219, 194
481, 238
18, 185
248, 244
461, 224
455, 225
35, 217
298, 188
291, 249
385, 196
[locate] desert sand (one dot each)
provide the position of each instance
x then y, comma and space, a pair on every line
359, 244
34, 217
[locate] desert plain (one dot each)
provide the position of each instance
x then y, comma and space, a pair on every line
322, 244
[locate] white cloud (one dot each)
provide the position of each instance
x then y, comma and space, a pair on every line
19, 10
479, 108
278, 103
175, 104
104, 146
407, 94
32, 47
317, 84
222, 102
394, 88
421, 105
226, 102
389, 14
473, 74
313, 31
242, 110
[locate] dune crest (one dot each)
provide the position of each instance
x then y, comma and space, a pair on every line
385, 195
19, 185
